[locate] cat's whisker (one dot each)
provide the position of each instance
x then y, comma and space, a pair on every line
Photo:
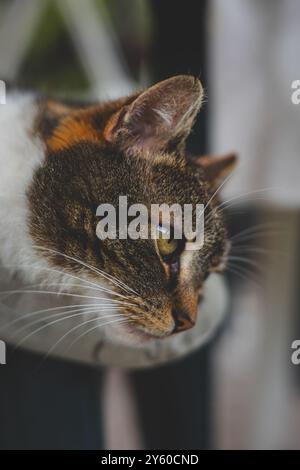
225, 204
241, 196
126, 320
72, 276
52, 309
74, 313
245, 260
216, 192
255, 236
123, 320
58, 293
254, 228
243, 273
221, 208
216, 211
77, 286
246, 270
235, 202
54, 322
107, 276
253, 249
232, 213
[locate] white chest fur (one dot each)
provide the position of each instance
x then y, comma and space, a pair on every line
20, 154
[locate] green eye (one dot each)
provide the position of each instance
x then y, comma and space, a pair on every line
168, 247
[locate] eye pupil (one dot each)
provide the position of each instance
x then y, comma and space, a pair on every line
169, 248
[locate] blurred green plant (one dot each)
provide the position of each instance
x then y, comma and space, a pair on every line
51, 63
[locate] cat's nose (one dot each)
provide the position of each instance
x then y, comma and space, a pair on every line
182, 321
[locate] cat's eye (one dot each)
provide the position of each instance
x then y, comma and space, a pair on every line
169, 247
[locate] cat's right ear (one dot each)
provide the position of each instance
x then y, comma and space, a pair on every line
162, 114
216, 168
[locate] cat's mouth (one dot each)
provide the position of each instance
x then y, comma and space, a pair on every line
142, 334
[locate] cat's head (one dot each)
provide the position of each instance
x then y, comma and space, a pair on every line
133, 147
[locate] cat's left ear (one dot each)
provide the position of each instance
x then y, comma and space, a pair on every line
160, 116
216, 168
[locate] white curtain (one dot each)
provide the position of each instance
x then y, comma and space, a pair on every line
255, 57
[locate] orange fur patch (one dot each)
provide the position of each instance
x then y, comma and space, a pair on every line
71, 131
110, 127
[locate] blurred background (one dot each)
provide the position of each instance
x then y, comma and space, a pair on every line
244, 390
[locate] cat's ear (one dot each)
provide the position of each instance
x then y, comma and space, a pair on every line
216, 168
162, 114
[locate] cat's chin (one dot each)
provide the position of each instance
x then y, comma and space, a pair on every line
129, 335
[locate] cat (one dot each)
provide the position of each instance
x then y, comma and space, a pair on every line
60, 161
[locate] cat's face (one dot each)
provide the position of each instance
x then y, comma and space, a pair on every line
134, 148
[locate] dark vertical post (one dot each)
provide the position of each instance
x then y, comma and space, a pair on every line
174, 401
48, 404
